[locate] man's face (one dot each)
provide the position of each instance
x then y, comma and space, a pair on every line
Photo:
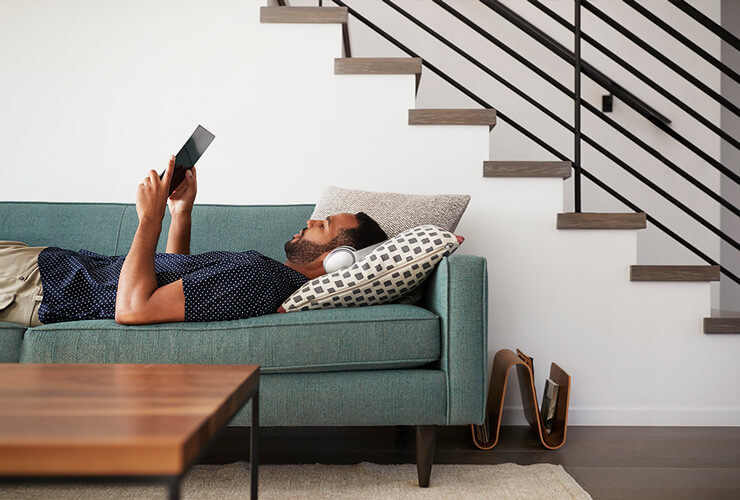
317, 238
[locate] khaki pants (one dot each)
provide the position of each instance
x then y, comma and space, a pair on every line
20, 283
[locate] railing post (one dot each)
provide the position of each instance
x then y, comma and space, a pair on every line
577, 107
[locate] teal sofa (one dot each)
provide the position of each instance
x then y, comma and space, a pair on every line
380, 365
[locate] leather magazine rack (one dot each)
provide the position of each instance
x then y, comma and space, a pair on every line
486, 436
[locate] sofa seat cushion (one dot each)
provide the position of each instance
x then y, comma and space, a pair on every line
364, 338
11, 336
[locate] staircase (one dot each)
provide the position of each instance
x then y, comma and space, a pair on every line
562, 285
504, 169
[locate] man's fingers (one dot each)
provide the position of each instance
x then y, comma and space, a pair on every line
153, 176
168, 173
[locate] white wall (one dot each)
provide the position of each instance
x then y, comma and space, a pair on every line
96, 93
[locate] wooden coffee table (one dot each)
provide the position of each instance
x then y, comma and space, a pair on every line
142, 423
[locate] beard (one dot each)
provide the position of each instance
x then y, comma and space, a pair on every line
305, 252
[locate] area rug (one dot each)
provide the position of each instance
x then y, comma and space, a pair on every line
361, 481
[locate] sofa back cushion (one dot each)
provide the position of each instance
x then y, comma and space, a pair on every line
108, 228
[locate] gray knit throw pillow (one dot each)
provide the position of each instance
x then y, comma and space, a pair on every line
394, 212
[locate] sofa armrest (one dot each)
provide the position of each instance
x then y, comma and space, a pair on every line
457, 292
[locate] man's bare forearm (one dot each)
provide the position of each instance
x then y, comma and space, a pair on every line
178, 238
138, 279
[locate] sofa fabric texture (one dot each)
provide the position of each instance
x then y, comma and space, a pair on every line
377, 365
11, 337
378, 397
458, 293
369, 338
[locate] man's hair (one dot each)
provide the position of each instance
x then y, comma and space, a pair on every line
367, 233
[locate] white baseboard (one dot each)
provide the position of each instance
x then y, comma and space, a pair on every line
683, 417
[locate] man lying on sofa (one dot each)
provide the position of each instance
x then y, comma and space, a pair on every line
147, 287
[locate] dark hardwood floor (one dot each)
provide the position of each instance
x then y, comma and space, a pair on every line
609, 462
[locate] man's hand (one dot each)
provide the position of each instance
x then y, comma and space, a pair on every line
151, 196
182, 198
139, 299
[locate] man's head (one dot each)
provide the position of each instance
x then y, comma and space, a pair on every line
307, 249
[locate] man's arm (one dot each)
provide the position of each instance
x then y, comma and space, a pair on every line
178, 239
181, 206
138, 300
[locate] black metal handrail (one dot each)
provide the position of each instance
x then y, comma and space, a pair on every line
544, 144
532, 31
556, 48
538, 35
645, 79
660, 57
707, 23
588, 106
576, 129
647, 14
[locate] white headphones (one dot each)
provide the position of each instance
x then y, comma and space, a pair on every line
344, 256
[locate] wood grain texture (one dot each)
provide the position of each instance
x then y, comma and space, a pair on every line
452, 117
724, 324
674, 273
503, 361
591, 220
309, 15
377, 66
560, 169
114, 419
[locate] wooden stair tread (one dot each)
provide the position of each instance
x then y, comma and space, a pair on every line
377, 66
309, 15
723, 323
592, 220
674, 273
560, 169
452, 117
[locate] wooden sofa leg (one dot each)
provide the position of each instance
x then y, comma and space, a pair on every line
426, 436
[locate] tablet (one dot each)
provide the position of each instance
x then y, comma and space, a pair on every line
188, 155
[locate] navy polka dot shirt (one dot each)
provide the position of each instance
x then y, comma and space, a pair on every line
218, 286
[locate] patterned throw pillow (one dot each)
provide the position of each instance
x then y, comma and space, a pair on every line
395, 212
396, 267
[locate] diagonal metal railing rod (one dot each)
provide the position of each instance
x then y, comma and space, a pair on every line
706, 258
647, 80
675, 135
707, 23
592, 142
483, 67
511, 52
663, 159
538, 140
647, 14
665, 194
660, 57
652, 151
561, 51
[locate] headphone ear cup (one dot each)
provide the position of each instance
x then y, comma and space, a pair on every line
339, 258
